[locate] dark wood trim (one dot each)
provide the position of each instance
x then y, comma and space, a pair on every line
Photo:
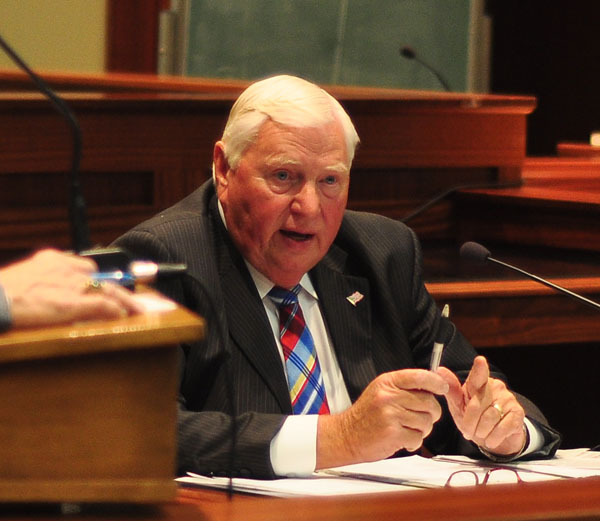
132, 34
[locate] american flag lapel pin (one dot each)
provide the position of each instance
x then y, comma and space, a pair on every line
355, 298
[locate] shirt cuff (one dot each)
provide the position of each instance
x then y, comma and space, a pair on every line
5, 316
535, 437
294, 447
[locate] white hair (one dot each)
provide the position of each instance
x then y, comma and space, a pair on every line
289, 101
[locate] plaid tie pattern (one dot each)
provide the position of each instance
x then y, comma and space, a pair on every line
305, 380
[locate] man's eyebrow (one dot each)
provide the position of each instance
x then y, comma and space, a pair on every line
340, 167
280, 160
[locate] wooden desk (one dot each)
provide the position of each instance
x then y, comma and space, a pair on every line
88, 410
552, 501
569, 499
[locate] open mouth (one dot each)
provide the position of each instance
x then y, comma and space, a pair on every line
297, 236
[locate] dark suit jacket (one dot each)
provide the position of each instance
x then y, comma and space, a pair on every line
237, 368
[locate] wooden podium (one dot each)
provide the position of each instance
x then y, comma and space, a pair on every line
88, 411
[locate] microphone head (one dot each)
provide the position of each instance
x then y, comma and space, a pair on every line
475, 252
408, 52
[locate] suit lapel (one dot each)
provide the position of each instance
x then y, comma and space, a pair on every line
348, 324
248, 325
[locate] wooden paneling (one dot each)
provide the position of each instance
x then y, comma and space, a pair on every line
502, 313
569, 149
143, 152
558, 205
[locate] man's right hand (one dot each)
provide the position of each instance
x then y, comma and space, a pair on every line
396, 411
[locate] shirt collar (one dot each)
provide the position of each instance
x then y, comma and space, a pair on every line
264, 285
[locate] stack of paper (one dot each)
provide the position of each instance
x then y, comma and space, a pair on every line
398, 474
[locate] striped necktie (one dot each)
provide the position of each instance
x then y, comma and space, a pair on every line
305, 380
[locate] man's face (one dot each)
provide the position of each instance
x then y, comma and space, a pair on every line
285, 201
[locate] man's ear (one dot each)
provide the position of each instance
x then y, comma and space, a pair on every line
220, 166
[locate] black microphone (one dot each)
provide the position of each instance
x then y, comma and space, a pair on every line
410, 54
475, 252
77, 207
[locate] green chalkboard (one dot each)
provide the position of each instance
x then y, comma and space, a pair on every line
346, 42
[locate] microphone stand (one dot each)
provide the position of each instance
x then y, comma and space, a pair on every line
77, 207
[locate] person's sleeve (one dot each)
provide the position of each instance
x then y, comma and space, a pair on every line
5, 315
216, 444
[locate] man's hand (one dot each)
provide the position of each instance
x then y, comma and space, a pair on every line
485, 411
50, 287
396, 411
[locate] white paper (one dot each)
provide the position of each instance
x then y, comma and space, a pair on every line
402, 474
293, 487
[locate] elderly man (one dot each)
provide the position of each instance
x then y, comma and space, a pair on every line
320, 327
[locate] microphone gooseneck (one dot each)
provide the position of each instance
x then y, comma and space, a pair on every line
453, 189
77, 207
473, 251
410, 54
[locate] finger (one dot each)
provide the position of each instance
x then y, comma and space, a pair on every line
420, 421
454, 396
503, 418
489, 420
419, 402
508, 437
413, 440
478, 377
124, 298
97, 307
471, 417
418, 379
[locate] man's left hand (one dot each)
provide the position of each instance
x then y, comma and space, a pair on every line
485, 411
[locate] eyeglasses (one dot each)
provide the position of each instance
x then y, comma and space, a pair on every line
473, 477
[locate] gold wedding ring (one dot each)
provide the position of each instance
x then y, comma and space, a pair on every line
500, 410
92, 286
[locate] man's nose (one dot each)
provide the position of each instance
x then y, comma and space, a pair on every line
307, 201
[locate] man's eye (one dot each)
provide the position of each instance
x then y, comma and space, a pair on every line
282, 175
330, 180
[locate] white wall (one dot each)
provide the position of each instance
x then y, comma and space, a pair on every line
60, 35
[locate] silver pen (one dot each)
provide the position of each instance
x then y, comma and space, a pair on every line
438, 347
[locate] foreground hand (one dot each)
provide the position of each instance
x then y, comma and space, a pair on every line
485, 411
50, 288
396, 411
